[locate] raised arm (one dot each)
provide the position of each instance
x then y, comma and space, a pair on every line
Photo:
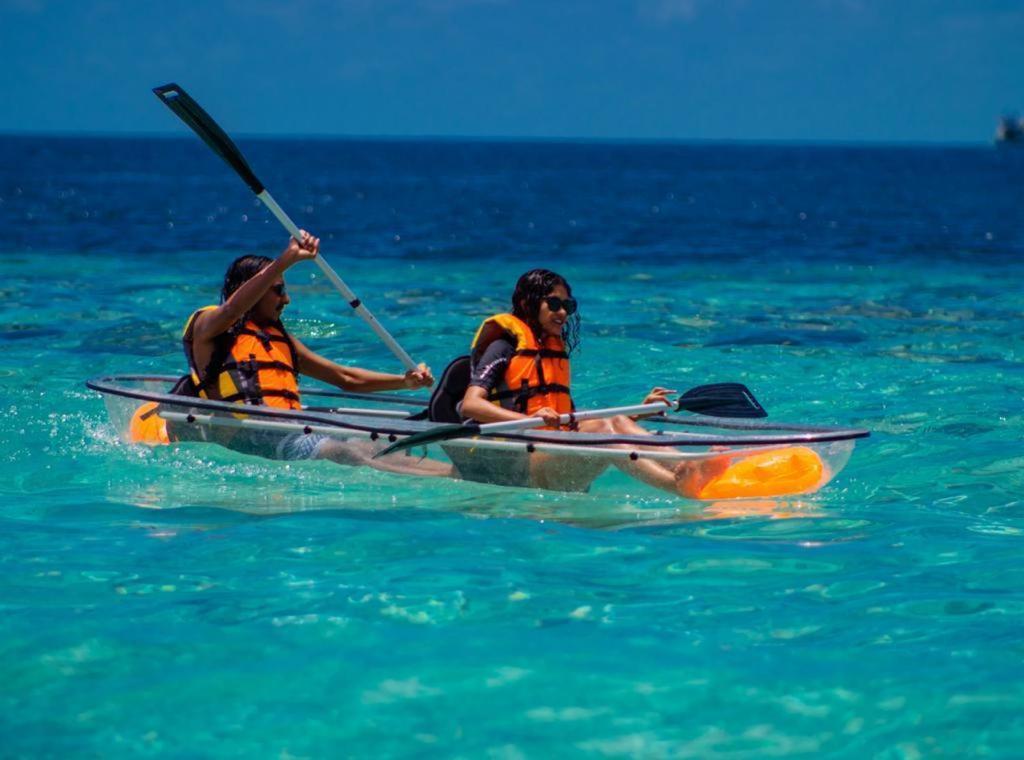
212, 323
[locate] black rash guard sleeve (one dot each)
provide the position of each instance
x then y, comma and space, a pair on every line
489, 368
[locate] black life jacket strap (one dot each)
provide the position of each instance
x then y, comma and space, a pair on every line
249, 399
222, 361
544, 353
523, 396
282, 393
255, 364
527, 391
551, 388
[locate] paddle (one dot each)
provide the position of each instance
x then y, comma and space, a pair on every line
718, 399
190, 112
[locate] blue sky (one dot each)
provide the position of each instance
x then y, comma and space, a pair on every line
848, 70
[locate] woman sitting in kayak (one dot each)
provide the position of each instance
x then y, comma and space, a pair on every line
240, 352
519, 367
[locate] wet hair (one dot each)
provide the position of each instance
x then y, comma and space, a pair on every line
242, 269
530, 290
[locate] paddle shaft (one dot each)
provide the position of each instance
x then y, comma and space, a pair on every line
197, 119
345, 290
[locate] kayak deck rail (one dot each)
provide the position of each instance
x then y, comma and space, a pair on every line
394, 425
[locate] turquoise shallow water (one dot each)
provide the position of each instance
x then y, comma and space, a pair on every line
194, 601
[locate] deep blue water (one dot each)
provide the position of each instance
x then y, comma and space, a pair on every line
197, 602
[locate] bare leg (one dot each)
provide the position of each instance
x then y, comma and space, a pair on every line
563, 473
691, 476
646, 470
359, 453
684, 479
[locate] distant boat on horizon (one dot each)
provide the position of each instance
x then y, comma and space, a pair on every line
1010, 130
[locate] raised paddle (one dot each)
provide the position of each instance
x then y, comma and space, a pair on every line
190, 112
718, 399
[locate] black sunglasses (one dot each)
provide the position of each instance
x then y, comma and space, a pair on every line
279, 289
557, 304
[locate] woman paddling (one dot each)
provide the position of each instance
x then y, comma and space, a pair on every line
519, 367
240, 352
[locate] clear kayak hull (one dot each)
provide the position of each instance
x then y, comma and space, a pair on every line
710, 458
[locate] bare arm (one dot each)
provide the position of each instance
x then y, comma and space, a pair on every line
486, 371
212, 323
356, 378
476, 406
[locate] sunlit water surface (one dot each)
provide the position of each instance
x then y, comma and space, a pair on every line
197, 602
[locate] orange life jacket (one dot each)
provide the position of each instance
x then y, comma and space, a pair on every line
250, 364
537, 374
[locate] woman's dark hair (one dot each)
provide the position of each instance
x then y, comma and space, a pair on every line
530, 290
242, 269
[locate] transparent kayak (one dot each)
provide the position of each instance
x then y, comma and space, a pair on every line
712, 458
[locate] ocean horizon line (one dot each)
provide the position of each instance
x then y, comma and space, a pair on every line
511, 139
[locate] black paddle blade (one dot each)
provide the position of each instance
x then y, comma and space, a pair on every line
434, 435
190, 112
722, 400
